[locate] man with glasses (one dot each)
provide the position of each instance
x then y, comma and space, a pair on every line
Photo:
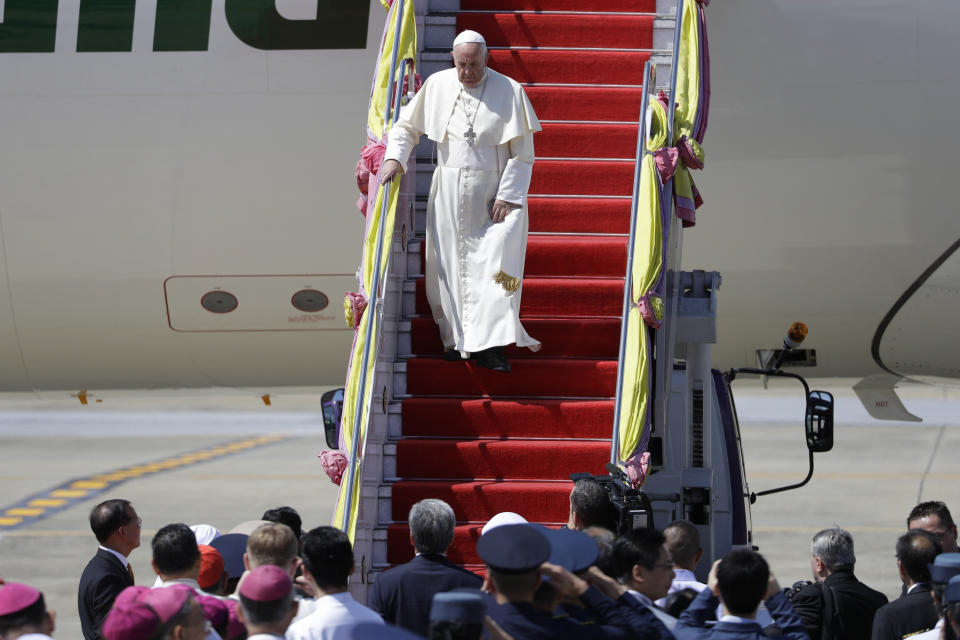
117, 527
645, 567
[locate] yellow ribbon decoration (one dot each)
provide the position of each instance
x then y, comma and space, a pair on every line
647, 265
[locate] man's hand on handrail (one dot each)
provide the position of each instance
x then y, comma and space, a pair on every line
388, 170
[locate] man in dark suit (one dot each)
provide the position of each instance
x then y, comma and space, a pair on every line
913, 611
739, 582
117, 527
837, 605
403, 594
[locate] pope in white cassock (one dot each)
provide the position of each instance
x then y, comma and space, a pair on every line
483, 125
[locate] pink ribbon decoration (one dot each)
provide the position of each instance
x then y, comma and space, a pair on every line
371, 157
648, 310
357, 303
666, 160
334, 464
637, 467
688, 154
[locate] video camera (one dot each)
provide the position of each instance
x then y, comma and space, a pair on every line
631, 508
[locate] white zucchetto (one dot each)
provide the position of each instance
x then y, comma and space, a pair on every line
469, 36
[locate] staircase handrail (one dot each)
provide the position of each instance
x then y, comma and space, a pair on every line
666, 188
628, 283
374, 299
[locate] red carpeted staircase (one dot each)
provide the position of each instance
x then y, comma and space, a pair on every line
488, 442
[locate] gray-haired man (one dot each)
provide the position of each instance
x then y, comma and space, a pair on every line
403, 594
836, 605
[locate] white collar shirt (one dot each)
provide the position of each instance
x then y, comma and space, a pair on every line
119, 556
682, 579
332, 619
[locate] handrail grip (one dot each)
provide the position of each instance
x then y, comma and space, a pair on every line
373, 296
628, 282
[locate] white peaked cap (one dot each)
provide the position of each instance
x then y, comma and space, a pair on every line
502, 518
469, 36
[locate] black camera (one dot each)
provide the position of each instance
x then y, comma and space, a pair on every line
630, 508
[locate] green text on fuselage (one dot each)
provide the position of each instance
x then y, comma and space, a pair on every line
30, 26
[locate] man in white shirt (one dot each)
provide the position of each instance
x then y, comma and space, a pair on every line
683, 543
278, 545
646, 569
327, 566
23, 613
176, 556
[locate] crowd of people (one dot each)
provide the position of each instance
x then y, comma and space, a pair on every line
270, 579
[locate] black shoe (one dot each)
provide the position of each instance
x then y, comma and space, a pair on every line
494, 359
452, 355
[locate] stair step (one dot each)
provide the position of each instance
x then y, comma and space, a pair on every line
479, 501
558, 297
462, 551
639, 6
515, 458
560, 337
579, 215
542, 377
575, 67
584, 256
486, 418
610, 104
587, 141
582, 177
560, 30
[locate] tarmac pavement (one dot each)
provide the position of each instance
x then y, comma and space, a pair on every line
867, 484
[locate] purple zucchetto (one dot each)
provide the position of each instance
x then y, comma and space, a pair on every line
130, 621
167, 601
266, 583
16, 596
214, 610
131, 595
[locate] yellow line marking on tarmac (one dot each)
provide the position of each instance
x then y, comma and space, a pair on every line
42, 504
88, 484
46, 502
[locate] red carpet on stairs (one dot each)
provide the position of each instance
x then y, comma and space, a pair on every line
612, 104
575, 67
595, 338
635, 6
550, 255
579, 215
524, 418
484, 441
560, 30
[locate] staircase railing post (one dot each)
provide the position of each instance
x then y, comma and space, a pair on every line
373, 295
628, 282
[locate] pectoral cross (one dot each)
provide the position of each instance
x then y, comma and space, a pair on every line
470, 135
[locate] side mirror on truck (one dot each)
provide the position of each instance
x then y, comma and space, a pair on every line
332, 402
819, 421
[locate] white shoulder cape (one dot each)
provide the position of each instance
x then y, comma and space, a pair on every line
503, 97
